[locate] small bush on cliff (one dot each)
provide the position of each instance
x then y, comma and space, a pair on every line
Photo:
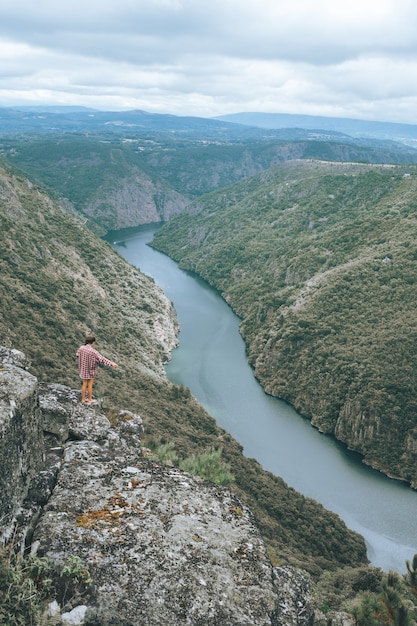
166, 454
210, 466
25, 586
389, 607
74, 580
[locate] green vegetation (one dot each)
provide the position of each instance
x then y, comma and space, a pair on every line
24, 589
210, 466
60, 281
319, 261
27, 585
121, 180
370, 596
92, 176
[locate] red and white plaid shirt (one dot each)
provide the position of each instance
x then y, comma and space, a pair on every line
88, 360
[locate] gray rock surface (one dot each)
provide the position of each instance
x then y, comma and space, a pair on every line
13, 357
294, 588
65, 417
156, 545
162, 546
21, 436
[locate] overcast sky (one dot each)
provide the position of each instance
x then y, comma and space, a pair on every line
349, 58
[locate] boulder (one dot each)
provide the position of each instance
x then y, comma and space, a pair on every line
295, 606
65, 417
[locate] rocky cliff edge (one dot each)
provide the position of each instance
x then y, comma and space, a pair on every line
160, 546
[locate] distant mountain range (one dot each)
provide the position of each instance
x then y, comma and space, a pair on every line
235, 127
124, 179
344, 125
77, 119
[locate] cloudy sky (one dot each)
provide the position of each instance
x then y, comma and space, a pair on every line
350, 58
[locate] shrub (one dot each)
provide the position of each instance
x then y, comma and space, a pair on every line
24, 588
210, 466
166, 454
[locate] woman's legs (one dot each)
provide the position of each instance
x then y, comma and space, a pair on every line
84, 391
90, 383
87, 390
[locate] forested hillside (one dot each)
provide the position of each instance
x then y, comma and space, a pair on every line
319, 260
106, 181
119, 180
58, 282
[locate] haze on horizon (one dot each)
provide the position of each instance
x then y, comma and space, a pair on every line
354, 59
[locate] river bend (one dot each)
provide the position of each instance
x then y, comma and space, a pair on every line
211, 362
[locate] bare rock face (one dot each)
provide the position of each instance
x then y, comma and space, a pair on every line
21, 436
294, 589
134, 199
13, 357
160, 546
65, 417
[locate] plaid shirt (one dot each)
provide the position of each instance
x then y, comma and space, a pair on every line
88, 360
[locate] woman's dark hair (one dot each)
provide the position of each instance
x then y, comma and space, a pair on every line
89, 339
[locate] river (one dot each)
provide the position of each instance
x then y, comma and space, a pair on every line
211, 362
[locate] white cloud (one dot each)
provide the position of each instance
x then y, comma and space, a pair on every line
200, 57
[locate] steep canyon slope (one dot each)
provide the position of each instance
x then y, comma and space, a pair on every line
59, 281
319, 260
121, 180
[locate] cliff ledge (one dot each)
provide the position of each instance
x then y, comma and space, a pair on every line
160, 546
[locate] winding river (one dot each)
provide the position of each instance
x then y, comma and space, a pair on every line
211, 361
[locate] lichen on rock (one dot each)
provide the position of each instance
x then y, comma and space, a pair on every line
21, 437
160, 546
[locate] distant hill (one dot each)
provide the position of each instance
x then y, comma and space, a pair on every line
319, 260
118, 180
70, 120
348, 126
232, 127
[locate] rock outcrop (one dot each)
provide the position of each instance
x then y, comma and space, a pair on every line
160, 546
134, 199
21, 437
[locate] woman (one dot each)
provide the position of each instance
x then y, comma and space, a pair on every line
88, 361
